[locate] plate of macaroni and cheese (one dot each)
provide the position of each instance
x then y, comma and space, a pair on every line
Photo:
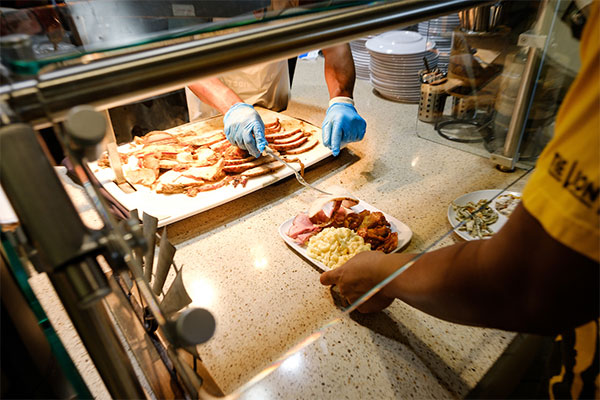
347, 231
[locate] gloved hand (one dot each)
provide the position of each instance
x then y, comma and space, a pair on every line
245, 129
342, 125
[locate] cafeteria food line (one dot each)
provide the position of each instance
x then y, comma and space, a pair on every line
266, 298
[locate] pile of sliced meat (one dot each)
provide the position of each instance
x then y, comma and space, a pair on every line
193, 162
336, 211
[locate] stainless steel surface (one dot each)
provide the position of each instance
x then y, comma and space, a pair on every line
123, 79
296, 173
522, 101
149, 225
55, 228
483, 18
524, 96
166, 252
38, 197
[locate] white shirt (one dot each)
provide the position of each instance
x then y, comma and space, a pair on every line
266, 85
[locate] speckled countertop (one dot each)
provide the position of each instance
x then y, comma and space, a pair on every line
271, 309
267, 299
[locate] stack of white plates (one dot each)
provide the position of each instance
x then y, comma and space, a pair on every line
440, 31
396, 59
361, 57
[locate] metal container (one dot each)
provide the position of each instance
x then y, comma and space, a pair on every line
431, 105
480, 19
464, 107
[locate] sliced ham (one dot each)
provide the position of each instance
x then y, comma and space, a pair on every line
281, 135
301, 224
263, 169
303, 238
289, 146
239, 168
308, 145
290, 139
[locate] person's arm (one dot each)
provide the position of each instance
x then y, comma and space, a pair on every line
521, 279
339, 71
215, 93
243, 126
342, 124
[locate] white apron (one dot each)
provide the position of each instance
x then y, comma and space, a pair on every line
266, 85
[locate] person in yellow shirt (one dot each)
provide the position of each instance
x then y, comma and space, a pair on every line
541, 272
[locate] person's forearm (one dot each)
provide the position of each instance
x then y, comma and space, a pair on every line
520, 280
215, 93
339, 71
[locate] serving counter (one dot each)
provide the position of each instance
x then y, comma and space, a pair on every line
270, 308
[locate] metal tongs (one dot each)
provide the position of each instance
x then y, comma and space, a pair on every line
299, 177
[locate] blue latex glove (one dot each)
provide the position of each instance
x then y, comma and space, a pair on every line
245, 129
342, 125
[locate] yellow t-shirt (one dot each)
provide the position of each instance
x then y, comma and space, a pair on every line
563, 194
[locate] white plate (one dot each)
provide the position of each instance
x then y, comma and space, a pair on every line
475, 197
399, 43
404, 233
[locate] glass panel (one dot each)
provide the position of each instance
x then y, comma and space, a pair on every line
473, 109
55, 33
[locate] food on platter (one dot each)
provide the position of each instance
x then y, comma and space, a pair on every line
506, 203
334, 246
194, 160
336, 211
479, 217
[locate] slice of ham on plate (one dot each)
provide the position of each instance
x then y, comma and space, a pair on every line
302, 228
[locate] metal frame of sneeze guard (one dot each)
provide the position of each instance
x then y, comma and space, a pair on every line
110, 82
535, 41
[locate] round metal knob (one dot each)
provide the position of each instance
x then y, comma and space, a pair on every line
194, 326
85, 126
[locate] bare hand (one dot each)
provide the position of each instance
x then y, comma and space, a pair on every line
360, 274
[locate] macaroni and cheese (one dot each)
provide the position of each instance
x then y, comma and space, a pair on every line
334, 246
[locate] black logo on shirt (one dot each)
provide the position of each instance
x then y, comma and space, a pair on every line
574, 180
